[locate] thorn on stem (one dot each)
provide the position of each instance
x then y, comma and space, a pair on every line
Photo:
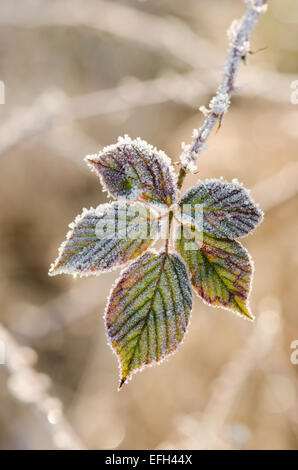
122, 382
220, 119
261, 49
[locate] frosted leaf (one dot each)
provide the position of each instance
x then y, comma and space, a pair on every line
220, 269
133, 169
106, 237
226, 210
148, 311
220, 103
187, 160
205, 111
233, 31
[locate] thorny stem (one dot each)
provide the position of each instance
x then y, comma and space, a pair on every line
239, 34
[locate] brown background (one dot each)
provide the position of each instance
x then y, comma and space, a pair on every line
231, 384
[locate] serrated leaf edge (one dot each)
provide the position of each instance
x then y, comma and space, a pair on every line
90, 159
72, 225
235, 312
213, 180
129, 377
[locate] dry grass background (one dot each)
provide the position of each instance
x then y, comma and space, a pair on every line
232, 384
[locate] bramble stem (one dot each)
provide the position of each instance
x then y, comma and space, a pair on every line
239, 35
170, 220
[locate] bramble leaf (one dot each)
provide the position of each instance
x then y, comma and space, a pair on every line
220, 269
148, 311
133, 169
223, 209
106, 237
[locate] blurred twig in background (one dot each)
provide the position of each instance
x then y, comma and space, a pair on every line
168, 35
44, 113
26, 123
48, 117
30, 387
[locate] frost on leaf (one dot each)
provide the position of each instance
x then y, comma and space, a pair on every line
106, 237
220, 208
220, 269
133, 169
148, 311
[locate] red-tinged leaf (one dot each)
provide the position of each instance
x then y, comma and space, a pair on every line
148, 311
223, 209
220, 269
133, 169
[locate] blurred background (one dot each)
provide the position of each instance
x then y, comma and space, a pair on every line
77, 74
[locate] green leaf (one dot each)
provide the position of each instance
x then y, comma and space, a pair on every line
223, 209
106, 237
133, 169
148, 311
221, 270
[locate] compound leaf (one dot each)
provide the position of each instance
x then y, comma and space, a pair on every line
133, 169
106, 237
223, 209
148, 311
220, 269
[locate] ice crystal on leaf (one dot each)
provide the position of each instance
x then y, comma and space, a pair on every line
221, 270
133, 169
150, 305
148, 311
227, 209
106, 237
